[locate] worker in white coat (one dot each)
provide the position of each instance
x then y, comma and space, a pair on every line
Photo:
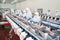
28, 14
16, 12
36, 18
58, 13
12, 10
24, 13
19, 12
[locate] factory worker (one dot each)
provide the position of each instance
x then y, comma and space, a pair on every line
20, 13
29, 38
28, 14
4, 14
23, 35
24, 13
36, 18
58, 13
12, 10
49, 13
16, 12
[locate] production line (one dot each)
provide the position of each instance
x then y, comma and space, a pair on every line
47, 28
29, 20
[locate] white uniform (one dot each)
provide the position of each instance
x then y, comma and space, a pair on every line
57, 12
18, 12
36, 18
12, 10
48, 13
28, 14
24, 13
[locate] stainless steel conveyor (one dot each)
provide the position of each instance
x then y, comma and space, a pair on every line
31, 29
20, 24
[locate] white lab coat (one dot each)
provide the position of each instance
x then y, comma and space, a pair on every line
12, 10
36, 18
49, 13
24, 15
28, 14
16, 12
19, 12
57, 13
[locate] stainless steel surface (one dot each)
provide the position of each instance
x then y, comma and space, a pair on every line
37, 33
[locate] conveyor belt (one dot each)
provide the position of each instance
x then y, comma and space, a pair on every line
53, 25
22, 25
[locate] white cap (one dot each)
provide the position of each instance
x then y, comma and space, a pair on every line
29, 38
27, 9
36, 13
28, 14
24, 11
